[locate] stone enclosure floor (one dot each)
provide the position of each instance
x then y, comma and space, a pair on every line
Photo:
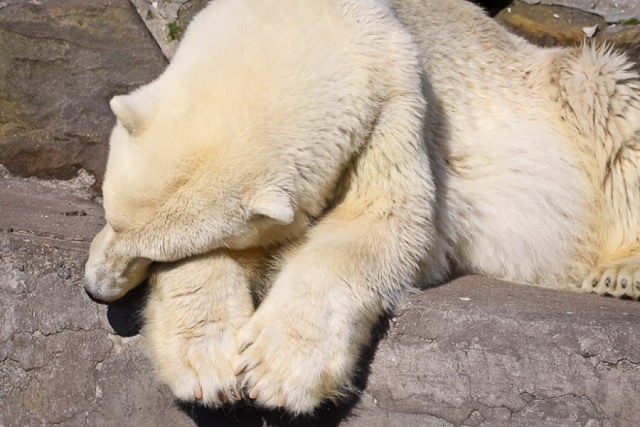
471, 352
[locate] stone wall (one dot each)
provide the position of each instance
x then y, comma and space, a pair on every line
60, 63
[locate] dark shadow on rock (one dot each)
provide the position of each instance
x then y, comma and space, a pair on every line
493, 6
125, 315
328, 415
232, 417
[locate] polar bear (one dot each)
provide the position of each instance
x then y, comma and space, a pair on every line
301, 165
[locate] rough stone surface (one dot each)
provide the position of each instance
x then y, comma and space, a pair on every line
478, 352
168, 19
61, 361
610, 10
60, 62
549, 25
563, 26
474, 352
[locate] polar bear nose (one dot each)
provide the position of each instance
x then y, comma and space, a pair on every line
94, 287
89, 288
93, 298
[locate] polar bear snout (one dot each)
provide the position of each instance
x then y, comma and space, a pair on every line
105, 281
92, 297
109, 275
91, 286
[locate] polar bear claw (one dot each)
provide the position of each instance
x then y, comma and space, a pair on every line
620, 279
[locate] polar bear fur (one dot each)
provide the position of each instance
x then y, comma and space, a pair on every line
319, 159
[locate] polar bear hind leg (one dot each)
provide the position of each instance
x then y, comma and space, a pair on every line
599, 92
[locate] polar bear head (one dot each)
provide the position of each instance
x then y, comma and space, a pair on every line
182, 181
243, 138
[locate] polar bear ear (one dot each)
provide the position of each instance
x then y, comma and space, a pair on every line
132, 111
273, 203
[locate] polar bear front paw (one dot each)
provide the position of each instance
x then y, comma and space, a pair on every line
194, 312
292, 360
199, 367
618, 280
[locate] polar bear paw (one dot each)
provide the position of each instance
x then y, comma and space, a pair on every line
618, 280
291, 362
202, 369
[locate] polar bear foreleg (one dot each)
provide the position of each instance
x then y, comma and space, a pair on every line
194, 310
301, 346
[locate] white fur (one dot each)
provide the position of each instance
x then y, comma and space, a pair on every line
369, 146
194, 312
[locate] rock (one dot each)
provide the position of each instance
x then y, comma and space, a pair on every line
59, 213
480, 351
626, 37
160, 17
472, 352
168, 19
610, 10
590, 31
60, 62
60, 359
549, 25
561, 26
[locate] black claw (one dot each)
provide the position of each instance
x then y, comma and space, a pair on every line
607, 282
623, 283
594, 283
